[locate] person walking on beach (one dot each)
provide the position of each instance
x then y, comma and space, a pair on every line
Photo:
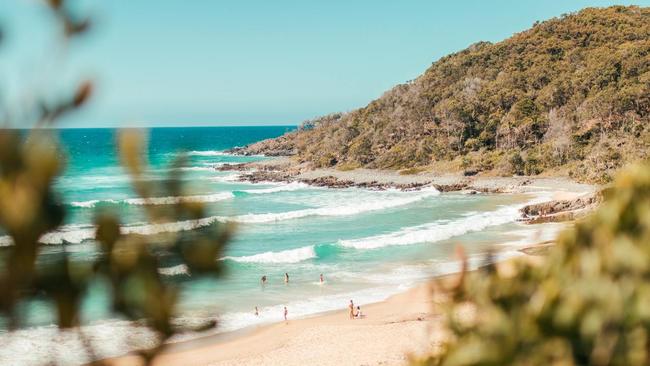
257, 313
351, 306
286, 277
322, 280
285, 313
358, 315
264, 280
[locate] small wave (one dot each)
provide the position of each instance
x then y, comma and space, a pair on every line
208, 153
225, 178
436, 231
332, 211
78, 234
174, 271
6, 241
158, 200
197, 168
293, 186
285, 256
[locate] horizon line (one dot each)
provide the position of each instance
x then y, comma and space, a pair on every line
139, 127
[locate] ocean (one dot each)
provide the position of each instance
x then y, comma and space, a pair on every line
368, 244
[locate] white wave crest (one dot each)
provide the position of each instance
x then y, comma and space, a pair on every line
285, 256
196, 168
352, 209
173, 271
436, 231
78, 234
158, 200
173, 200
6, 241
207, 153
293, 186
91, 203
225, 178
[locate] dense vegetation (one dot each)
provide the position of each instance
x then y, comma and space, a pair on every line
570, 94
586, 304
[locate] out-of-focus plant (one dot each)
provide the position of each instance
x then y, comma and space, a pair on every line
588, 303
29, 208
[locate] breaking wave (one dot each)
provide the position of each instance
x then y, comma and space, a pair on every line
285, 256
207, 153
158, 200
174, 271
333, 211
437, 231
293, 186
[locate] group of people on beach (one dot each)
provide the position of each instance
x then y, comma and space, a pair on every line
353, 314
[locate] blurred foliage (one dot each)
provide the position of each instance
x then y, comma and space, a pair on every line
567, 90
29, 164
587, 303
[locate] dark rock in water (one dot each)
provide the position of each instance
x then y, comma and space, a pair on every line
233, 167
554, 207
451, 187
561, 210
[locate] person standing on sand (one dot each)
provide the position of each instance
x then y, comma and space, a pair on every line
285, 313
351, 306
264, 280
257, 313
322, 280
286, 277
358, 315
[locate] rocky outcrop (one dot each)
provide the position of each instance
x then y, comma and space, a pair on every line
560, 210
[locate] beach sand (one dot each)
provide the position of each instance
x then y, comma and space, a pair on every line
390, 331
405, 325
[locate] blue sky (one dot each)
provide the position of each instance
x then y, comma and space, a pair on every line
246, 62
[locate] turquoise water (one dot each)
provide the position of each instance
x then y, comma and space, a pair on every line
367, 244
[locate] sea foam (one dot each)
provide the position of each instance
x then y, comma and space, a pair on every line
344, 210
436, 231
215, 197
288, 187
285, 256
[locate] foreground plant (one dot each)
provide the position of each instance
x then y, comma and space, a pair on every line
587, 304
30, 162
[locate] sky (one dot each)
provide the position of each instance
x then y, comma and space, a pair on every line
243, 62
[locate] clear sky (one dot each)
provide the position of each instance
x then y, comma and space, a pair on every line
246, 62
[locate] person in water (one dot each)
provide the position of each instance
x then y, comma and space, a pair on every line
321, 278
286, 278
257, 313
351, 307
358, 315
285, 313
264, 280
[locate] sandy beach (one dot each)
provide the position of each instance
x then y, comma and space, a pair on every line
392, 330
389, 331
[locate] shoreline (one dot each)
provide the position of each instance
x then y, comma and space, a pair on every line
285, 170
294, 342
399, 325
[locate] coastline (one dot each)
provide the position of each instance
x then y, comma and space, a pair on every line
392, 331
394, 328
284, 169
386, 334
